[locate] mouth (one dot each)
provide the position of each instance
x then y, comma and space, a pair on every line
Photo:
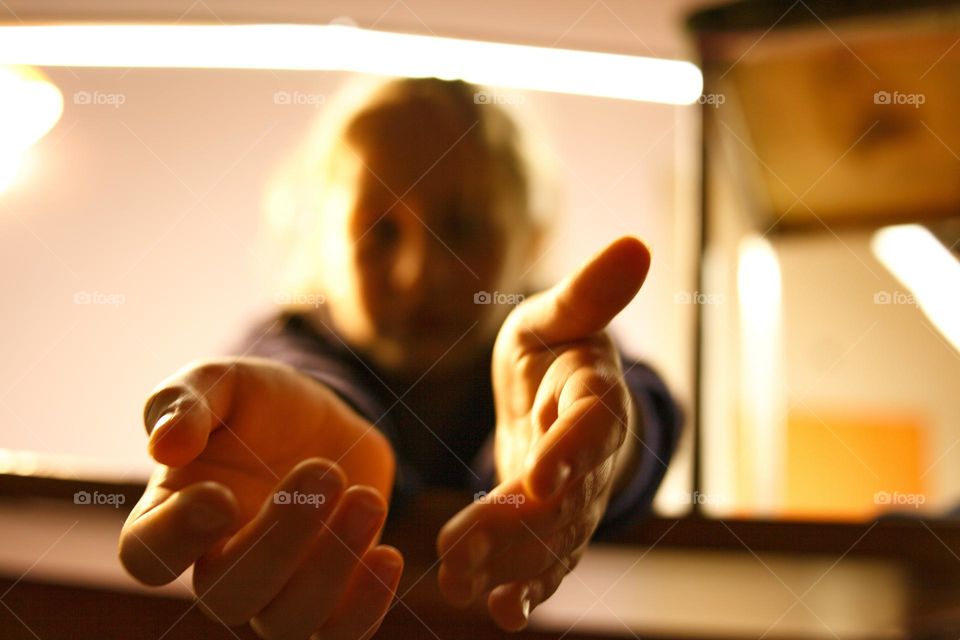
432, 325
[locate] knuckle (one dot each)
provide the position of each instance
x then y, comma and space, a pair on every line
219, 371
570, 538
564, 540
595, 382
204, 370
587, 493
526, 366
573, 504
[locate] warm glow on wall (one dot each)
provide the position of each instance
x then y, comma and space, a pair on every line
30, 105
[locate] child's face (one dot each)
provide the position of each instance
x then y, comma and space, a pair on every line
426, 230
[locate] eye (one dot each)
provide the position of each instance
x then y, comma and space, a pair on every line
462, 227
385, 230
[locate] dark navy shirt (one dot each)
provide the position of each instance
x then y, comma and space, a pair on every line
433, 452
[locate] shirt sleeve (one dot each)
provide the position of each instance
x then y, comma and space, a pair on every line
661, 422
275, 338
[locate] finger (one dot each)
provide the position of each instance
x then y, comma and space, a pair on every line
585, 436
311, 594
586, 301
489, 528
525, 559
185, 408
521, 561
361, 612
168, 531
483, 528
253, 566
510, 605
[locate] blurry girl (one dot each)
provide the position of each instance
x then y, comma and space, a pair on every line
403, 361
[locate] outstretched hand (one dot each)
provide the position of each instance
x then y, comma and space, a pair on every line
276, 490
564, 417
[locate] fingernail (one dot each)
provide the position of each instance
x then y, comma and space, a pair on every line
361, 517
207, 519
478, 549
559, 479
525, 607
162, 421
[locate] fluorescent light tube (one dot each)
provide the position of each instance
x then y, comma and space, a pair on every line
345, 48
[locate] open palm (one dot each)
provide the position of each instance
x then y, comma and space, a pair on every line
275, 489
564, 418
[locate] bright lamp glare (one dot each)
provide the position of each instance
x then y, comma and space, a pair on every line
30, 105
11, 163
920, 262
342, 48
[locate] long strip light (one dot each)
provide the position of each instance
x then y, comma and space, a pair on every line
922, 264
347, 48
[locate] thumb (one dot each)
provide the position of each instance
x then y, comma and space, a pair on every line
586, 301
185, 408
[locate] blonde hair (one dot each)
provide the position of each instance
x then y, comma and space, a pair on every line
305, 186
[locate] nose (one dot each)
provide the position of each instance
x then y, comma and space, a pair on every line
420, 266
410, 264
